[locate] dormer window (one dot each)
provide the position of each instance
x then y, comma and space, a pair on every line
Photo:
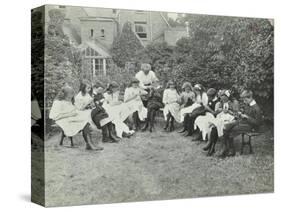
102, 33
92, 33
114, 11
141, 29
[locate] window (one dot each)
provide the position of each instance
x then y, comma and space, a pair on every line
62, 6
114, 11
98, 66
102, 33
92, 33
141, 29
91, 52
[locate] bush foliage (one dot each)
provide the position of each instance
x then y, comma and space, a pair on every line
125, 46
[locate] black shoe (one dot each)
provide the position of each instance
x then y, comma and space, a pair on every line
183, 130
144, 128
208, 146
126, 135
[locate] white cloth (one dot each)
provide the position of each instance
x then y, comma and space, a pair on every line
82, 101
68, 117
199, 100
170, 100
117, 112
135, 104
204, 124
221, 120
146, 78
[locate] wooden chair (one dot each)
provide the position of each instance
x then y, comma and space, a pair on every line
249, 141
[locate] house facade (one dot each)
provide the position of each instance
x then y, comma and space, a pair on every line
93, 30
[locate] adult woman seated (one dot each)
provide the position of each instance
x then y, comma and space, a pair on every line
146, 78
72, 120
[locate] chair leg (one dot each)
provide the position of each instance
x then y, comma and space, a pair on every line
71, 141
242, 144
250, 145
62, 138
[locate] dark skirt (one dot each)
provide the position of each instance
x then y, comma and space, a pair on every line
98, 114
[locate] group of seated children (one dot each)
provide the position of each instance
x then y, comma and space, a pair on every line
213, 114
93, 108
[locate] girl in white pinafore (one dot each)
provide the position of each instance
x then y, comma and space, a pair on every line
69, 118
132, 100
200, 99
117, 110
171, 109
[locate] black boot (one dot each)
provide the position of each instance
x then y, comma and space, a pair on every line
152, 120
105, 134
88, 133
212, 139
167, 121
232, 151
136, 121
184, 129
225, 149
112, 136
172, 127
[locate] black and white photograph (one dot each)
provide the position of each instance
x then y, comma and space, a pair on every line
138, 105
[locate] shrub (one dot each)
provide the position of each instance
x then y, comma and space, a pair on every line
125, 46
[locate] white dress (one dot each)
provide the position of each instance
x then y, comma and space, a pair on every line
146, 79
117, 113
82, 101
75, 121
222, 119
171, 99
199, 100
135, 105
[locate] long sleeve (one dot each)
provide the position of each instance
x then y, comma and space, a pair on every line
255, 115
165, 96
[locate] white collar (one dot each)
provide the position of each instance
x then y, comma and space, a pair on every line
252, 103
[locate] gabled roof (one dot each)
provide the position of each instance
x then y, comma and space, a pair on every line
96, 47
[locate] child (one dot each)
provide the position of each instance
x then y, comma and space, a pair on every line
153, 105
187, 98
72, 120
134, 104
203, 121
172, 107
189, 114
247, 121
117, 110
84, 101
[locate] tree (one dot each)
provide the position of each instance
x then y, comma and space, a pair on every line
61, 59
160, 56
125, 46
227, 52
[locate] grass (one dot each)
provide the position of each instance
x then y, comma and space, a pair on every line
152, 166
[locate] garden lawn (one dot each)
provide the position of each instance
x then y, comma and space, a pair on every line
152, 166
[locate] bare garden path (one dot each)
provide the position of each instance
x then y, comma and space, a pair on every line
152, 166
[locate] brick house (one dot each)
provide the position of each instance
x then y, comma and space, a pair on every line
94, 29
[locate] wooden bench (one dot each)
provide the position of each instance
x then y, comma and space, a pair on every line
249, 141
